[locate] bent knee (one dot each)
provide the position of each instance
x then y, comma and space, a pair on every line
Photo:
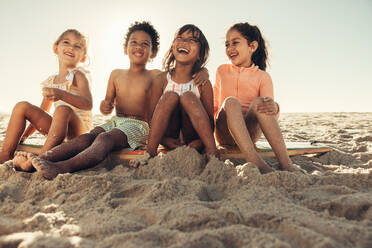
187, 97
115, 137
104, 137
63, 110
255, 102
169, 97
230, 103
22, 106
97, 130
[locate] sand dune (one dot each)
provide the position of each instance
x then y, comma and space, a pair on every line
179, 200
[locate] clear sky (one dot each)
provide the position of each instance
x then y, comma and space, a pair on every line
320, 51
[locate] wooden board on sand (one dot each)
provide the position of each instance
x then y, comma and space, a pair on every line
263, 148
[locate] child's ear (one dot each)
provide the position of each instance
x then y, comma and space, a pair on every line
254, 45
83, 59
55, 48
125, 50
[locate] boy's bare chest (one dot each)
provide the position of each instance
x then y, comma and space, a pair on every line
128, 86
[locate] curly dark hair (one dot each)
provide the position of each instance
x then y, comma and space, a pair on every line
145, 27
253, 33
169, 59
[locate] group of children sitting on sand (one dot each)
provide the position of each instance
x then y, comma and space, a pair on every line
175, 107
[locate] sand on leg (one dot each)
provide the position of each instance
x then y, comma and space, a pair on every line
163, 112
197, 125
65, 123
104, 143
270, 128
231, 113
72, 147
23, 111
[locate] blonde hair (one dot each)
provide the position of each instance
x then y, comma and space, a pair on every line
82, 37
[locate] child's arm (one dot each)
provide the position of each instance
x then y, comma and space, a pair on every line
157, 87
268, 105
107, 105
45, 105
82, 101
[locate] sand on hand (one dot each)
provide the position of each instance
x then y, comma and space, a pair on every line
180, 200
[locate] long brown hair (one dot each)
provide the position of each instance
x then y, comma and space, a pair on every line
169, 59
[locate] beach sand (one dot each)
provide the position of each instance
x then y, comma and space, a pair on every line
179, 200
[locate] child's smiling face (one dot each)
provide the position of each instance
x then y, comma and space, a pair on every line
70, 50
186, 48
238, 50
139, 47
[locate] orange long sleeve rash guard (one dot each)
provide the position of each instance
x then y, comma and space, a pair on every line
245, 84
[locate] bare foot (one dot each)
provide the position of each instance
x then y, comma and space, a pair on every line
22, 161
135, 163
47, 169
171, 143
289, 168
265, 169
196, 144
294, 168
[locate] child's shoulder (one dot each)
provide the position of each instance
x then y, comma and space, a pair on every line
155, 72
263, 74
224, 67
119, 71
160, 75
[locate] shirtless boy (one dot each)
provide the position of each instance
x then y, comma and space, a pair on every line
128, 91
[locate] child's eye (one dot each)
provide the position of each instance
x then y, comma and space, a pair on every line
194, 41
77, 47
65, 42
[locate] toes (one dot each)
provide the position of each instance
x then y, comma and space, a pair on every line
30, 156
20, 154
37, 163
135, 163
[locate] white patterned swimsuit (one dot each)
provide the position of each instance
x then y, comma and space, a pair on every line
85, 115
181, 88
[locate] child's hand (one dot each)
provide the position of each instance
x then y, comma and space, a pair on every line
106, 107
267, 106
52, 94
201, 77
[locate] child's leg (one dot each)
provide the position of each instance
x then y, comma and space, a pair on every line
200, 121
65, 121
94, 154
171, 139
21, 112
270, 127
190, 136
231, 114
163, 111
72, 147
